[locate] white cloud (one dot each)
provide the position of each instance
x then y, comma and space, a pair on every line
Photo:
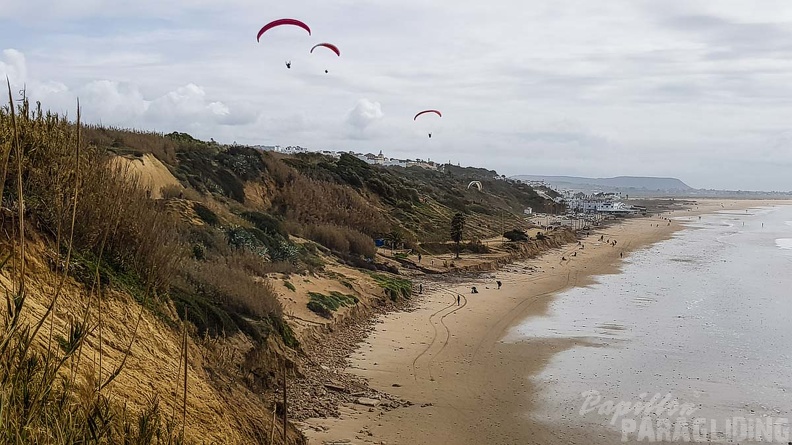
362, 116
14, 66
123, 104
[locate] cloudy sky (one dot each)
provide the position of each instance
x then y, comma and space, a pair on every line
700, 90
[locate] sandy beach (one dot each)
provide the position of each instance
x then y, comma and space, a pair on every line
448, 359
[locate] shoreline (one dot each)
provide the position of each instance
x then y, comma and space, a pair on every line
449, 360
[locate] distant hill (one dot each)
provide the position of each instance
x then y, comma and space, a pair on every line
640, 183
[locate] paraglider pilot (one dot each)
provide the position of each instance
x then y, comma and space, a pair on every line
430, 135
288, 64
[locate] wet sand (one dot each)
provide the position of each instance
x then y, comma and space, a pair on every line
467, 385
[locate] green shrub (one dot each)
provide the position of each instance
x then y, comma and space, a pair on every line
199, 252
516, 235
325, 305
266, 223
395, 287
205, 214
242, 238
289, 285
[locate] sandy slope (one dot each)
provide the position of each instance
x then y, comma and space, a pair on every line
153, 174
469, 387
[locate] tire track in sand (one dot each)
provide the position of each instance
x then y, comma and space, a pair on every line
434, 336
447, 331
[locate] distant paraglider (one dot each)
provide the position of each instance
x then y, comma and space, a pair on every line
329, 46
281, 22
426, 112
476, 184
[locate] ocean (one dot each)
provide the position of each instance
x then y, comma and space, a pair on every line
703, 319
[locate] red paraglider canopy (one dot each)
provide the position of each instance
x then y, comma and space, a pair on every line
427, 111
280, 22
330, 46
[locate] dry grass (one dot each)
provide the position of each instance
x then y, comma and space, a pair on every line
133, 141
342, 239
317, 202
47, 396
115, 219
223, 281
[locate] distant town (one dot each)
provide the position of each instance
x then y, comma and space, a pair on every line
370, 158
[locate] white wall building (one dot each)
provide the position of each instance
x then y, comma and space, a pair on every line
293, 150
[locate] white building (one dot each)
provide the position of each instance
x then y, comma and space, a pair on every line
332, 154
617, 208
373, 159
393, 162
584, 204
293, 150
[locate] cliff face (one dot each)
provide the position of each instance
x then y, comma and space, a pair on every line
150, 346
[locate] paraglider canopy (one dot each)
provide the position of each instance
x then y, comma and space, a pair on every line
428, 111
329, 46
477, 184
281, 22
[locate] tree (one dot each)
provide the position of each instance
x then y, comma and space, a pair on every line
394, 238
457, 226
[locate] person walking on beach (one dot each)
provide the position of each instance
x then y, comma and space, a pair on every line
419, 257
459, 299
420, 288
499, 284
473, 290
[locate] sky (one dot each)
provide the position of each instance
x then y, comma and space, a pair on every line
698, 90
